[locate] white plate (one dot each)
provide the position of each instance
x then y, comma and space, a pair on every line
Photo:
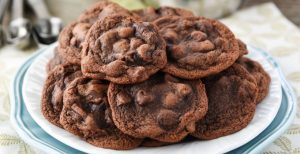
265, 113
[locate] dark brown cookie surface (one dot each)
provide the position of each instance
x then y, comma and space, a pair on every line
164, 108
70, 41
123, 50
55, 61
74, 34
103, 9
196, 46
52, 95
86, 114
242, 47
153, 143
261, 76
150, 14
231, 103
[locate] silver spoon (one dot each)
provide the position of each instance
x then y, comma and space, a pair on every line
3, 6
19, 28
47, 28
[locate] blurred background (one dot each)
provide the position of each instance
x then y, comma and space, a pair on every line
209, 8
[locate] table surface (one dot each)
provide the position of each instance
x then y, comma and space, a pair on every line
289, 8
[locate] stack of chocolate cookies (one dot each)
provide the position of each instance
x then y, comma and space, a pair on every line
120, 79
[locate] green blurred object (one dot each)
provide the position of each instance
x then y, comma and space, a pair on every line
69, 10
207, 8
137, 4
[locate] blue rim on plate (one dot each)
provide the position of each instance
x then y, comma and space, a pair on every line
21, 120
33, 134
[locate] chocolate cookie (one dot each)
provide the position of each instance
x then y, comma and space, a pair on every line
103, 9
260, 75
150, 14
231, 103
196, 46
147, 142
123, 50
163, 107
86, 114
70, 41
52, 95
74, 34
242, 47
55, 61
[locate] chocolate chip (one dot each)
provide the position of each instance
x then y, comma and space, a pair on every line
142, 98
191, 127
183, 89
125, 32
200, 46
86, 89
107, 117
170, 100
121, 47
98, 113
78, 110
139, 71
97, 87
106, 40
198, 36
73, 115
167, 119
57, 97
89, 122
144, 52
224, 44
135, 42
115, 68
178, 51
170, 36
123, 98
74, 42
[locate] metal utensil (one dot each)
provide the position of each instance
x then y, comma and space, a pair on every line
47, 27
3, 6
19, 28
